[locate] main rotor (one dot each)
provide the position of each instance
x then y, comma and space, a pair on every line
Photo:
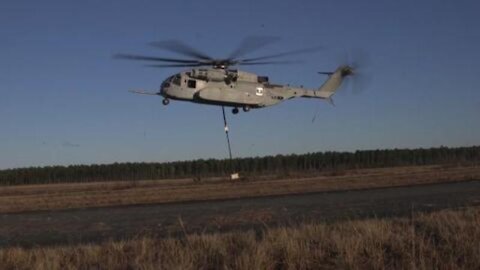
195, 58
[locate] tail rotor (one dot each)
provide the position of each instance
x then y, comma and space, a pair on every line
360, 63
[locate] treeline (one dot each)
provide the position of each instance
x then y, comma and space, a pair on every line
279, 164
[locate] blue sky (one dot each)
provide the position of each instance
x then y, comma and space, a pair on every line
64, 100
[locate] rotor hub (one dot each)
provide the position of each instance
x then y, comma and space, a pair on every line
347, 71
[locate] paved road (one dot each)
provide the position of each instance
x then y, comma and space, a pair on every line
98, 224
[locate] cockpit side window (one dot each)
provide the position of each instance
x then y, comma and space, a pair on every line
192, 83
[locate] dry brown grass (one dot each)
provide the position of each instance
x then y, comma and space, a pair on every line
80, 195
442, 240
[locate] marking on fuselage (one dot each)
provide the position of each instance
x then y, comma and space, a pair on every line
259, 91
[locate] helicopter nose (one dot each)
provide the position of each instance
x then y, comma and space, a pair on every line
164, 88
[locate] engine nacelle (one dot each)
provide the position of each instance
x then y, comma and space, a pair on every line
217, 75
246, 76
250, 77
227, 76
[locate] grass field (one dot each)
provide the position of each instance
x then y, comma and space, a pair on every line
448, 239
81, 195
443, 240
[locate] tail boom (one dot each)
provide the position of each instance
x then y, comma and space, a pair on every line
331, 85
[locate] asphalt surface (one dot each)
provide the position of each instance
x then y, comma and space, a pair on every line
175, 219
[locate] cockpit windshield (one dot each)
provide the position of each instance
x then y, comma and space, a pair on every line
165, 84
176, 80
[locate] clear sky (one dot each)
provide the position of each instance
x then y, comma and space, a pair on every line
64, 100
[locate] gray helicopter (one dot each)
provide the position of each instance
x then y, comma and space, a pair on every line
212, 81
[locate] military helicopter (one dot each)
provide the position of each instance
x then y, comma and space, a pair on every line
213, 81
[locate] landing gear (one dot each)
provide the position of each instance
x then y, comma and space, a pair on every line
235, 110
246, 108
165, 101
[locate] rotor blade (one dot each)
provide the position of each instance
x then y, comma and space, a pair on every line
361, 57
361, 63
361, 82
180, 65
251, 44
152, 58
267, 63
181, 48
301, 51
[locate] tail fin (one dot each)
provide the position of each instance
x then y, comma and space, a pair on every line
334, 81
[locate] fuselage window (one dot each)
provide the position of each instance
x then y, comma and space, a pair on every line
192, 84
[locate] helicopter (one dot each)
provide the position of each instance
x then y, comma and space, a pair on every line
213, 81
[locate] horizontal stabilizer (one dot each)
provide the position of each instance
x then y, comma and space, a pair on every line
329, 73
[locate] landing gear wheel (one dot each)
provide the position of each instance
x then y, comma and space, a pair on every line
246, 108
235, 110
165, 101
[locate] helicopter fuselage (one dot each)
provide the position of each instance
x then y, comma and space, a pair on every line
232, 88
219, 85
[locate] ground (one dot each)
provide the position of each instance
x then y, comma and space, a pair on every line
96, 212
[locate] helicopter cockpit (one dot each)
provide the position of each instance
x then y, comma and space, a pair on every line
176, 79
